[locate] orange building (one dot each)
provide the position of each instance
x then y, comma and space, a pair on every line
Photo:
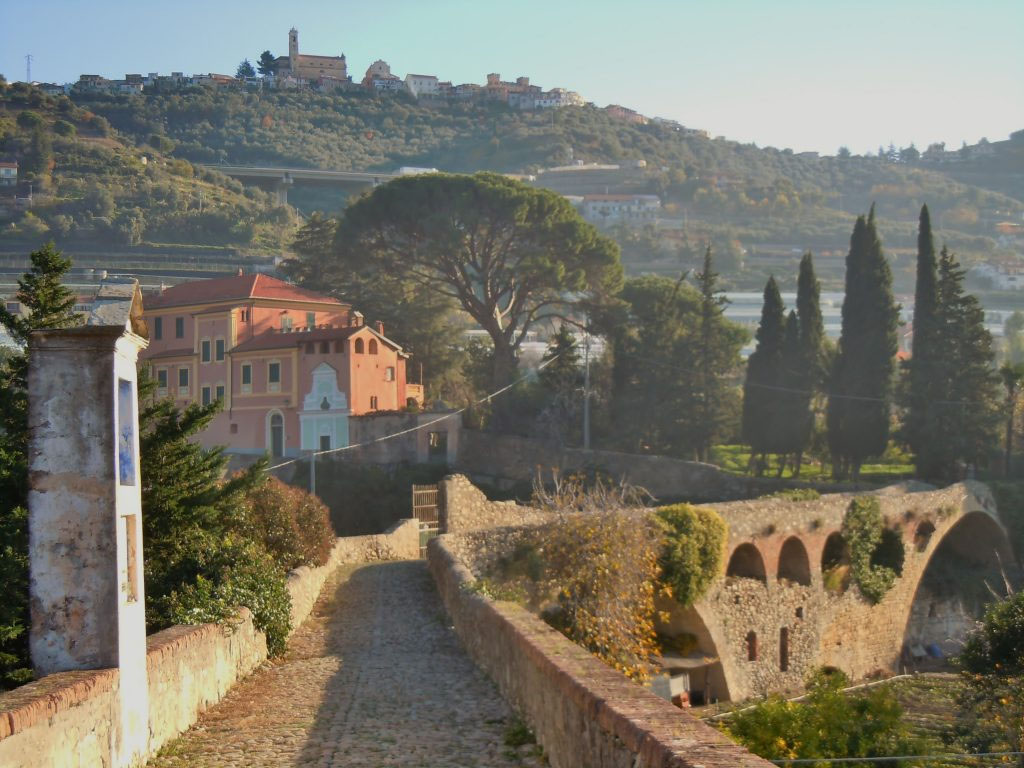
291, 365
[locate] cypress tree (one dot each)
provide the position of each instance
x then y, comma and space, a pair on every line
812, 328
713, 360
760, 390
792, 416
965, 388
921, 373
861, 384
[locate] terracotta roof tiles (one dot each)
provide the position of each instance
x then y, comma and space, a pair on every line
235, 288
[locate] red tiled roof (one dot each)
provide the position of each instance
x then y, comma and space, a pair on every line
236, 288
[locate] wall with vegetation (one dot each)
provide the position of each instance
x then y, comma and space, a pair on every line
583, 712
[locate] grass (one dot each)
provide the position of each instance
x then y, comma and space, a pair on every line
735, 459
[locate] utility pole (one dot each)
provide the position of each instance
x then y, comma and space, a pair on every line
586, 387
312, 472
28, 67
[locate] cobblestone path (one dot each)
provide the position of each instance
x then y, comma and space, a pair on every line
373, 679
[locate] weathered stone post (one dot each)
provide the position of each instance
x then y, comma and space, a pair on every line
85, 526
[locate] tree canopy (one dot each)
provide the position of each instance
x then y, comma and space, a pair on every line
510, 255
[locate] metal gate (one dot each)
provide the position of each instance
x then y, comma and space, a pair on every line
425, 509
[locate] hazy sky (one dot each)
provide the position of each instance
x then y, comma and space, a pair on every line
809, 75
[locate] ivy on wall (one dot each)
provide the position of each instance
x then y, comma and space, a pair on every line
876, 553
693, 550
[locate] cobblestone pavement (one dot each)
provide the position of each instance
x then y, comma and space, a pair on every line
373, 679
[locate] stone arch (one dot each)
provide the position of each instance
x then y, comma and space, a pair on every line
954, 583
746, 563
794, 564
710, 673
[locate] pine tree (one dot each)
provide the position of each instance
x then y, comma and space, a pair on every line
245, 70
48, 304
760, 390
713, 361
266, 64
921, 373
966, 387
861, 382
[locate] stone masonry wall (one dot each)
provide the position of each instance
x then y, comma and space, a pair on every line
583, 712
507, 459
466, 508
69, 720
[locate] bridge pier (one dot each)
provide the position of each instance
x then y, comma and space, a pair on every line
281, 188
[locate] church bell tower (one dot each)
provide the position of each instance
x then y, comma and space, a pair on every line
293, 50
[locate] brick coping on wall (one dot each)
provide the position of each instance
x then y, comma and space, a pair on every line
653, 731
40, 700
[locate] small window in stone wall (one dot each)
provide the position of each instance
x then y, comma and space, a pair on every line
784, 649
800, 612
309, 348
751, 646
325, 347
234, 429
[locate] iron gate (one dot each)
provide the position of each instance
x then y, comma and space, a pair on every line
425, 510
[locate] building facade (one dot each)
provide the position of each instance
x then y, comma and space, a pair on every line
290, 365
302, 66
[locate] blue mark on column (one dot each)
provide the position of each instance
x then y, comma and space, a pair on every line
126, 431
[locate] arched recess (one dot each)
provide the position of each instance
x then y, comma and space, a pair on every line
794, 564
835, 563
746, 563
708, 676
956, 583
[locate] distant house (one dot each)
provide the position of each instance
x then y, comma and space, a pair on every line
1005, 275
422, 85
625, 113
290, 365
601, 209
8, 173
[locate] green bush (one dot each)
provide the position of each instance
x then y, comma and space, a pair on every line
693, 550
876, 555
239, 574
795, 494
64, 128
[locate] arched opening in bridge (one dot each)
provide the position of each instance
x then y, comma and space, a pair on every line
698, 660
889, 551
957, 584
835, 563
784, 649
751, 645
923, 535
746, 563
794, 565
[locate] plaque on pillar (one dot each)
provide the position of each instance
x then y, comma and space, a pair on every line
85, 506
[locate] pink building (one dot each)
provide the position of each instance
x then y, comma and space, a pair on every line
290, 365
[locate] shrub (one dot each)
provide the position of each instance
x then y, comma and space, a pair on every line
795, 494
693, 550
239, 574
64, 128
292, 525
29, 120
876, 556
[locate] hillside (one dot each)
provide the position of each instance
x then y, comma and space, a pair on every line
92, 188
761, 203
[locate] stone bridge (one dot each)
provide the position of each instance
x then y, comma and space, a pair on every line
783, 607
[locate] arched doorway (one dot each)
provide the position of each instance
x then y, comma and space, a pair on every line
794, 565
276, 422
746, 563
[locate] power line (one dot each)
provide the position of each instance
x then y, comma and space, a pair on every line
486, 398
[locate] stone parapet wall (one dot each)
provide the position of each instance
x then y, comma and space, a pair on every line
583, 712
66, 719
191, 668
464, 507
70, 719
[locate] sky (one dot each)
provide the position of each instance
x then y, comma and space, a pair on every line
809, 75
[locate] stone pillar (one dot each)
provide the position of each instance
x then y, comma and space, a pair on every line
85, 525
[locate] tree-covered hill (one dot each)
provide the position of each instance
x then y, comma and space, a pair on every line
93, 187
723, 190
